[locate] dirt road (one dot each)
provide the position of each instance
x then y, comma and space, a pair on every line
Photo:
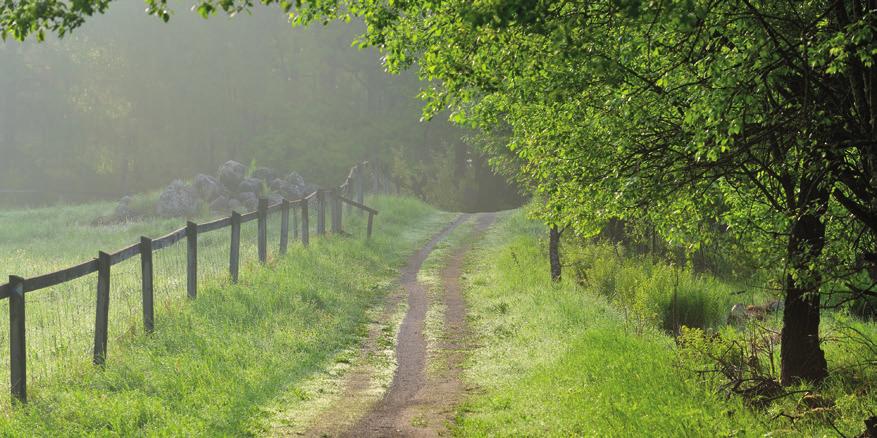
418, 404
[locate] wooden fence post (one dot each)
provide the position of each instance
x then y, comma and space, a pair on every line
305, 226
321, 212
101, 319
284, 226
294, 224
370, 220
17, 345
192, 260
234, 256
335, 204
263, 230
360, 186
351, 188
146, 283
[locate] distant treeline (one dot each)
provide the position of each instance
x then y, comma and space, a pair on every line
127, 104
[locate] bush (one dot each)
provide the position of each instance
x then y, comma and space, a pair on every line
651, 292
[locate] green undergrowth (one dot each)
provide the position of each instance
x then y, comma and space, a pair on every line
559, 360
652, 293
212, 362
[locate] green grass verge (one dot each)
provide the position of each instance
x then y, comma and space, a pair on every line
213, 362
557, 360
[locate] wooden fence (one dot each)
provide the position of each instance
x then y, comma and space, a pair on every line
15, 290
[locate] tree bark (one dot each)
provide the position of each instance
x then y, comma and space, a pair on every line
801, 357
554, 252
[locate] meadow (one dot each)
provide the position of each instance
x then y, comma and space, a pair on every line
210, 362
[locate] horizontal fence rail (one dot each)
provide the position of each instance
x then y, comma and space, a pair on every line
321, 199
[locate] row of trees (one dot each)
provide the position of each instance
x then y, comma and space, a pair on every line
127, 104
752, 121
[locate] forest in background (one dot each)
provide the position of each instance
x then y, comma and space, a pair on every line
127, 104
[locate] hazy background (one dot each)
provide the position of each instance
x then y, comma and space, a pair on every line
128, 103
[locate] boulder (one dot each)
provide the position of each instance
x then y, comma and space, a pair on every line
250, 185
220, 205
277, 184
123, 209
286, 189
295, 179
265, 173
208, 187
177, 199
249, 201
235, 205
231, 174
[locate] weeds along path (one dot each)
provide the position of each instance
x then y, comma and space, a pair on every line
417, 404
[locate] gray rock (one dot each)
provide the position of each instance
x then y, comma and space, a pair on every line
123, 209
295, 179
231, 174
235, 205
177, 199
220, 205
277, 184
249, 201
286, 189
265, 173
250, 185
208, 187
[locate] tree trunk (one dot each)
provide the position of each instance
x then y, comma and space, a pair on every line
801, 357
554, 252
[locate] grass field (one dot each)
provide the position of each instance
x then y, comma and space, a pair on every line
211, 362
567, 360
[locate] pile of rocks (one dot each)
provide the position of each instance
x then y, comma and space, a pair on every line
231, 189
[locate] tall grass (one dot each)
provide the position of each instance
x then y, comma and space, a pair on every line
651, 293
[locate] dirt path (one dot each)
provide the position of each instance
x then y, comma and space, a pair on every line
417, 404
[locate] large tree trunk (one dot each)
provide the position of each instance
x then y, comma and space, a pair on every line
554, 252
801, 357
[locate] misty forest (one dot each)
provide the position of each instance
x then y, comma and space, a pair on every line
371, 218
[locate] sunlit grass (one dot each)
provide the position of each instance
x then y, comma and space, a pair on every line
211, 361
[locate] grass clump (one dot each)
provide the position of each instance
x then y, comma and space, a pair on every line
651, 293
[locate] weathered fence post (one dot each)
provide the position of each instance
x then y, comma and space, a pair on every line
370, 220
101, 319
192, 260
360, 186
321, 212
146, 283
294, 224
234, 256
335, 203
17, 346
263, 230
284, 226
305, 225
